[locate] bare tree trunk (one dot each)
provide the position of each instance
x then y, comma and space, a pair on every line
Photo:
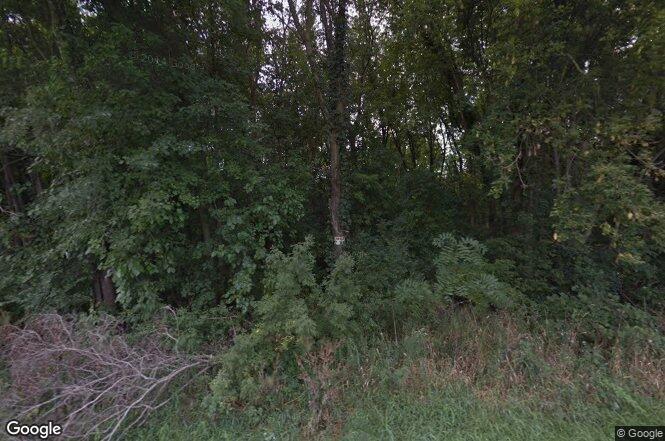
332, 105
338, 76
103, 289
335, 193
398, 146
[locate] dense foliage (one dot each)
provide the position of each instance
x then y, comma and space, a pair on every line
282, 174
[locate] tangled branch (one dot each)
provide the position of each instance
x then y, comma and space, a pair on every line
87, 377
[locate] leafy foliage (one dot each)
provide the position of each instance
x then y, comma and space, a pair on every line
462, 272
195, 157
295, 314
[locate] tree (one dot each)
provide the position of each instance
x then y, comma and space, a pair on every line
330, 87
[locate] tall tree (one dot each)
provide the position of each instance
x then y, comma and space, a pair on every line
330, 86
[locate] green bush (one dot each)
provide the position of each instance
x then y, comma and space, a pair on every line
463, 273
295, 314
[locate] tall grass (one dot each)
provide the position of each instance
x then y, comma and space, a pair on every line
470, 377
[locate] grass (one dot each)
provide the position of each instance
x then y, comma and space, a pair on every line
453, 413
493, 378
457, 414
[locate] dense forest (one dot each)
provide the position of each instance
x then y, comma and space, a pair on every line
332, 219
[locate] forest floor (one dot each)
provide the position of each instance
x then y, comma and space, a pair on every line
474, 378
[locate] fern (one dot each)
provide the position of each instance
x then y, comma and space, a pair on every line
463, 272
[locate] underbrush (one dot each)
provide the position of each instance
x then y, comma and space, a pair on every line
472, 376
455, 350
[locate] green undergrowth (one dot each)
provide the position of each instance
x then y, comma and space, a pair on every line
452, 413
495, 378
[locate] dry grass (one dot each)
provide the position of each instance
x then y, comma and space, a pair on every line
322, 374
497, 358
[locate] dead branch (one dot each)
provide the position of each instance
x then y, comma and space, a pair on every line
87, 377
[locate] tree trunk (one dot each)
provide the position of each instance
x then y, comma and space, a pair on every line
332, 104
103, 289
412, 149
398, 146
430, 145
335, 194
36, 183
338, 124
14, 199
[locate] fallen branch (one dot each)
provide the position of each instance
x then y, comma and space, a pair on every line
87, 377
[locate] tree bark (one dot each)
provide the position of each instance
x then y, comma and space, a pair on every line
338, 77
335, 194
103, 289
333, 104
398, 146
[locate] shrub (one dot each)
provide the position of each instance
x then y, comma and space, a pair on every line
295, 315
463, 273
